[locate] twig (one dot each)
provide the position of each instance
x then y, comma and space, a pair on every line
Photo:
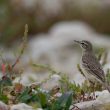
23, 45
75, 108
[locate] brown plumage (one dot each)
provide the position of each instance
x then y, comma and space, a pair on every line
91, 65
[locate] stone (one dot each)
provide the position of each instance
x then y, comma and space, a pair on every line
101, 103
3, 106
21, 106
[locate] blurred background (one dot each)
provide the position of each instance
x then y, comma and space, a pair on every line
53, 27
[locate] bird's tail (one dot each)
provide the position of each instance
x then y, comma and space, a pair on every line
107, 86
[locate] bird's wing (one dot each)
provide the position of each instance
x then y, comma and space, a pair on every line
92, 66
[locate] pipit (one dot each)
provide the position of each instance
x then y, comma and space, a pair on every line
91, 65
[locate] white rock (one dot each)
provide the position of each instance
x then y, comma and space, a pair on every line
3, 106
103, 101
69, 31
104, 96
21, 106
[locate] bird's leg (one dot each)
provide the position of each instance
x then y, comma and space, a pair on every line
94, 92
93, 87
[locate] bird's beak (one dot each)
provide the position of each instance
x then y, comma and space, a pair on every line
77, 41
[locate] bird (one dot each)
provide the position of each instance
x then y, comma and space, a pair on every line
90, 64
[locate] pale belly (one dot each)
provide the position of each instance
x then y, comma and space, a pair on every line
90, 77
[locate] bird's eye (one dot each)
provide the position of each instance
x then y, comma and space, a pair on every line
82, 43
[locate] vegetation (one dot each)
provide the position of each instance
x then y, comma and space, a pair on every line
58, 98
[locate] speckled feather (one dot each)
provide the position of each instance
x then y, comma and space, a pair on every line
92, 66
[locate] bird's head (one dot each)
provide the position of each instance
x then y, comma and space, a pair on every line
86, 45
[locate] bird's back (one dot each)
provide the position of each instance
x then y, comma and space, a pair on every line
92, 66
